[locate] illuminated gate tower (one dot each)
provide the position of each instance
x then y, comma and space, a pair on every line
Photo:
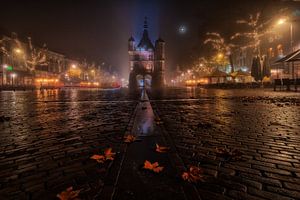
146, 60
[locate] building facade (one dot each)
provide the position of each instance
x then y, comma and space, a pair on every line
284, 40
25, 64
146, 61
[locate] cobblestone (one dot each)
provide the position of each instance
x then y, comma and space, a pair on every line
46, 145
268, 136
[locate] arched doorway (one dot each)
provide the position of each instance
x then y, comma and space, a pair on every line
144, 81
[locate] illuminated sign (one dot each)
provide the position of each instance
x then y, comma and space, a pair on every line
9, 68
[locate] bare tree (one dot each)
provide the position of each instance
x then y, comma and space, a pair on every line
257, 30
36, 57
220, 45
202, 66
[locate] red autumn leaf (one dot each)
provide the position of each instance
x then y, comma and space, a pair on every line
153, 167
98, 158
68, 194
109, 155
162, 149
129, 138
185, 176
194, 175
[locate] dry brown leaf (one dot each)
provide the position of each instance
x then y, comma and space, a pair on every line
229, 154
222, 152
109, 155
153, 167
162, 149
98, 158
68, 194
194, 175
129, 138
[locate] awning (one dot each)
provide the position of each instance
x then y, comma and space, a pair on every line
292, 57
240, 73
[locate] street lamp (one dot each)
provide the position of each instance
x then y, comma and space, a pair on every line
17, 50
73, 66
283, 21
220, 55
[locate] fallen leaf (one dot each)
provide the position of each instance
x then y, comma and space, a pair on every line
129, 138
162, 149
229, 154
236, 154
109, 155
98, 158
222, 152
153, 167
194, 175
68, 194
185, 176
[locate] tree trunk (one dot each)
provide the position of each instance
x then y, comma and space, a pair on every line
231, 63
232, 67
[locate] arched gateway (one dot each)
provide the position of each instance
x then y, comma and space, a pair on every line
146, 61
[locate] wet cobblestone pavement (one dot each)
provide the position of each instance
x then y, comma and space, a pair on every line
47, 138
47, 142
263, 125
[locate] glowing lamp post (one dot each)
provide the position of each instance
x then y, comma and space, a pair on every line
18, 51
73, 66
3, 69
13, 76
93, 74
220, 56
281, 22
284, 21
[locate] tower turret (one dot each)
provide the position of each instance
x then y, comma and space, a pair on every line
131, 44
159, 49
159, 63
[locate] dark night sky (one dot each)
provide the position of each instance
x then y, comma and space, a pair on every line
99, 30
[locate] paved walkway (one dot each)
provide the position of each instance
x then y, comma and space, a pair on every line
131, 181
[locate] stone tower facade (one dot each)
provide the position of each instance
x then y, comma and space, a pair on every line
146, 59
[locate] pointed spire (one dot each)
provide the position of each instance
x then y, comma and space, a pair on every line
145, 42
145, 23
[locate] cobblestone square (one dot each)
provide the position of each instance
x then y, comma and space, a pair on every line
49, 137
263, 125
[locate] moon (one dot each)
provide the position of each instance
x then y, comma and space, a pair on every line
182, 29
